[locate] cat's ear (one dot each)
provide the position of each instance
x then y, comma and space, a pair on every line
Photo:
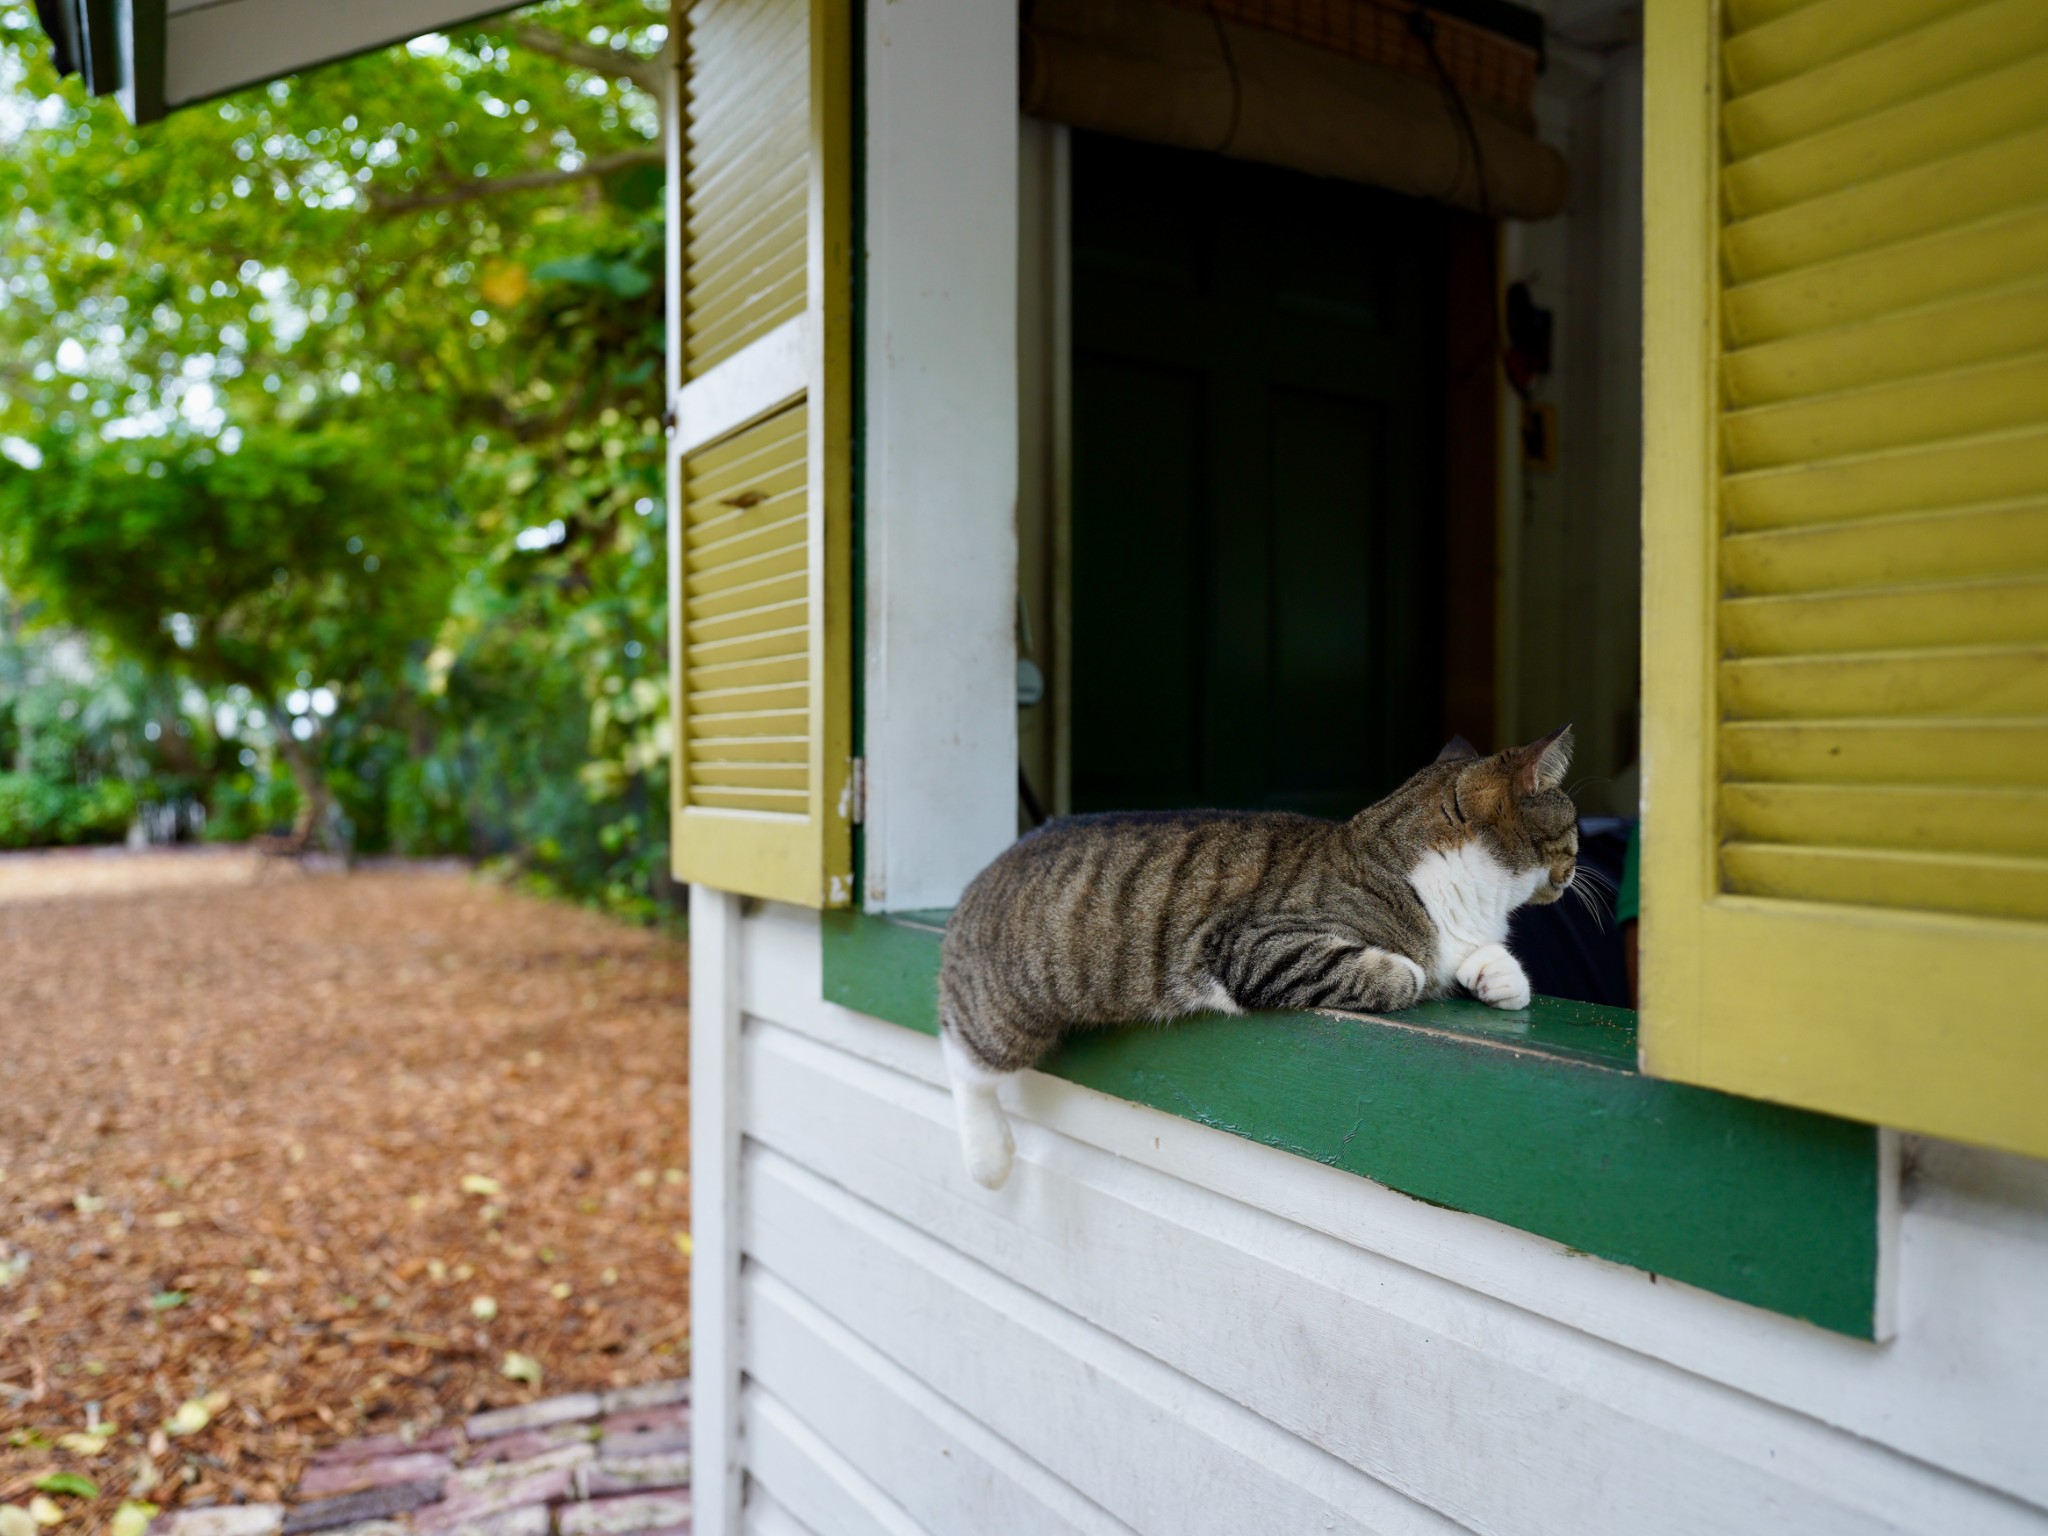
1458, 750
1542, 764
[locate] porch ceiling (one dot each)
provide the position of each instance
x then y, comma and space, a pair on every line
158, 55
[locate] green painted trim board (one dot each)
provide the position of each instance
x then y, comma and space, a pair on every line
1537, 1119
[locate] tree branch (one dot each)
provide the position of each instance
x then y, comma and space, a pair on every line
526, 181
615, 62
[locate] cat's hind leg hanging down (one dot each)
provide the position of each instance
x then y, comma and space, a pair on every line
985, 1140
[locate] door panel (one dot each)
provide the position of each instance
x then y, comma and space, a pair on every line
1257, 527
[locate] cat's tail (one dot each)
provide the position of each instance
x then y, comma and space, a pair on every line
985, 1140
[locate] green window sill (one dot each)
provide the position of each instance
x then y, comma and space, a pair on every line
1537, 1119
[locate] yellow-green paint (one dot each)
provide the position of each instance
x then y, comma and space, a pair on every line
746, 173
761, 586
1535, 1119
1846, 578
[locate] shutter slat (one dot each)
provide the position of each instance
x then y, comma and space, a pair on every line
779, 802
749, 575
1870, 285
1966, 402
2003, 680
784, 532
744, 130
771, 629
750, 749
1814, 36
2002, 466
741, 775
767, 722
746, 618
1975, 112
1900, 751
1745, 14
751, 309
1975, 184
743, 674
780, 196
710, 704
1886, 551
1925, 819
780, 496
1922, 882
1972, 613
1933, 338
1916, 63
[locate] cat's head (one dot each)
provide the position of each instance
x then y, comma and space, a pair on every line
1512, 803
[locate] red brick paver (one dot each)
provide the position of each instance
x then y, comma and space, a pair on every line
588, 1464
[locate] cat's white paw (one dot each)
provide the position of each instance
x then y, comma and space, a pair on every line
989, 1150
985, 1141
1495, 977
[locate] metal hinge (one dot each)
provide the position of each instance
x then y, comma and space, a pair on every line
860, 791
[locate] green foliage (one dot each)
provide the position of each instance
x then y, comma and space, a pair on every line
351, 384
307, 549
42, 813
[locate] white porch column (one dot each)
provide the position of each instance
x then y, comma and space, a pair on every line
940, 489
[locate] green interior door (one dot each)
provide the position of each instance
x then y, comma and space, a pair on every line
1257, 576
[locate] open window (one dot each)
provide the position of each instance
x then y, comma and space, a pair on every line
1319, 449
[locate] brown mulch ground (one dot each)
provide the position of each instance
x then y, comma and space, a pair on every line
287, 1158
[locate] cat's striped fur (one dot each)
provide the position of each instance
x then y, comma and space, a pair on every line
1128, 918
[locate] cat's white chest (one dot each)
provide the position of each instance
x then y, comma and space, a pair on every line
1469, 895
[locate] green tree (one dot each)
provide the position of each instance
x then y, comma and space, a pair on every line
308, 558
455, 243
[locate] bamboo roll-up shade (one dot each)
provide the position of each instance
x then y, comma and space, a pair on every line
1484, 64
1156, 71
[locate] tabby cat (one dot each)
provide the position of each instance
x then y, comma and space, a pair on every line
1123, 918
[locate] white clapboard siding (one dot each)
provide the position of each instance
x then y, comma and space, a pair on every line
1962, 1387
808, 1479
1086, 1406
1496, 1420
765, 1517
946, 1469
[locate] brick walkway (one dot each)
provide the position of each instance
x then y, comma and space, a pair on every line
588, 1464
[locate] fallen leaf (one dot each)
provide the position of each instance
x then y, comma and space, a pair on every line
16, 1521
163, 1301
77, 1484
561, 1290
132, 1518
484, 1308
192, 1416
44, 1511
518, 1367
91, 1443
684, 1245
481, 1184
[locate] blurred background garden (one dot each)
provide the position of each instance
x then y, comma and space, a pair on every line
331, 502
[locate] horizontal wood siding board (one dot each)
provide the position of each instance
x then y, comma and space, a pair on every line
1550, 1132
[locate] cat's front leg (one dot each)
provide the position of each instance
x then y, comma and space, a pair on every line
1495, 977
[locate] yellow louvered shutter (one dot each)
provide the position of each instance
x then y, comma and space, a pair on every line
1845, 883
759, 515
